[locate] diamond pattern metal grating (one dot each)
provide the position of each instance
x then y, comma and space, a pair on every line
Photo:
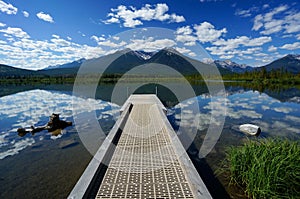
144, 164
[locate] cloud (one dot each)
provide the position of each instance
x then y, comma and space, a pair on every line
26, 14
292, 46
33, 107
185, 30
183, 50
101, 41
228, 48
192, 54
111, 44
2, 24
203, 32
17, 147
8, 8
272, 48
258, 22
20, 50
97, 39
240, 47
185, 35
285, 110
266, 6
132, 17
15, 32
242, 40
150, 44
55, 36
277, 20
206, 32
45, 17
246, 13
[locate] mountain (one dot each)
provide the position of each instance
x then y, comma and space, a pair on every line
9, 71
123, 61
290, 63
73, 64
140, 62
232, 66
68, 69
144, 55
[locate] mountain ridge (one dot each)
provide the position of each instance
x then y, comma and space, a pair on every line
290, 63
127, 59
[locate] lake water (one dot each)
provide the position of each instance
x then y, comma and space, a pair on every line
44, 165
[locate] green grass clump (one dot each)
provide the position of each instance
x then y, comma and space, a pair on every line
269, 168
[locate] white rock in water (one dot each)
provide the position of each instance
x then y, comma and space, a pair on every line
250, 129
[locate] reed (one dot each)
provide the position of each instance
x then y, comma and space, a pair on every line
269, 168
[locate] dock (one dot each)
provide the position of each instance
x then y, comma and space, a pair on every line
141, 157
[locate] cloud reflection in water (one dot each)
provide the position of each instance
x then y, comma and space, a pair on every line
34, 108
274, 117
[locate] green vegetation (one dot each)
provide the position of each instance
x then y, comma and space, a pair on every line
266, 78
269, 168
256, 80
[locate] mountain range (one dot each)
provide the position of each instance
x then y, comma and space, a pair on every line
125, 60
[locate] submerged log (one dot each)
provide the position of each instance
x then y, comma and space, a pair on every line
54, 124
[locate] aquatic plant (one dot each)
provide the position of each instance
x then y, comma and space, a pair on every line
268, 168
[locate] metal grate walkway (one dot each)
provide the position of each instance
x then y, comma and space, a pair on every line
145, 164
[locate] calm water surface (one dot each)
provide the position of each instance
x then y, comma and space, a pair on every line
48, 166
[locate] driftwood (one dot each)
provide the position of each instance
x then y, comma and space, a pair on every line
54, 124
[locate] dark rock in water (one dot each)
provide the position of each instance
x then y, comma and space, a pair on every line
67, 143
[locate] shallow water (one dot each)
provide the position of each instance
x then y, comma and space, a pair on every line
44, 166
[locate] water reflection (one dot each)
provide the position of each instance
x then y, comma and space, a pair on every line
275, 118
32, 108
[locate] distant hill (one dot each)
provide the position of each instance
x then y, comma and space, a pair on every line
232, 66
56, 72
9, 71
290, 63
73, 64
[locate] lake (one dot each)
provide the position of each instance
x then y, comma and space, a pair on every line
47, 165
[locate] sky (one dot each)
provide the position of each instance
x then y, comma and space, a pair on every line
35, 34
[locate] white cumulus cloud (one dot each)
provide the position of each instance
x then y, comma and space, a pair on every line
2, 24
272, 48
8, 8
246, 13
150, 44
203, 32
45, 17
25, 13
20, 50
279, 19
206, 32
15, 32
292, 46
132, 17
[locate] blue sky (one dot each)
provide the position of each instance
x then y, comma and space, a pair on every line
35, 34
